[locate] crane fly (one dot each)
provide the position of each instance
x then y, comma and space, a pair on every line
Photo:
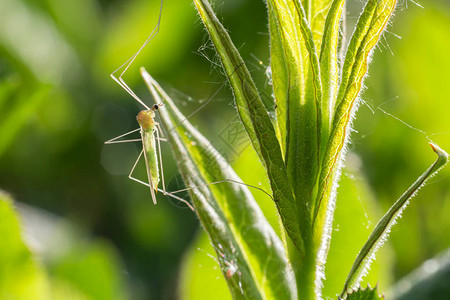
151, 134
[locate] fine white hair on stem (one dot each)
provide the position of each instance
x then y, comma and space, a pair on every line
382, 229
326, 235
331, 204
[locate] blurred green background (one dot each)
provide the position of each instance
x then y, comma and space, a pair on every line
98, 235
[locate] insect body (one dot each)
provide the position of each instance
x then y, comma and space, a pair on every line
151, 135
148, 125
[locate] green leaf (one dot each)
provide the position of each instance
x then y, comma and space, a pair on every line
21, 277
79, 267
329, 66
135, 21
251, 255
280, 78
298, 92
318, 15
368, 30
256, 121
91, 269
379, 234
365, 294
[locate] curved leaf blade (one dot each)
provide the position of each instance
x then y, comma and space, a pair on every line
329, 66
370, 26
298, 90
280, 78
256, 263
382, 229
368, 30
21, 276
319, 12
256, 121
298, 98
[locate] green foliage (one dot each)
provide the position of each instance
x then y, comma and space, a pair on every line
57, 102
75, 270
302, 155
20, 275
255, 119
254, 264
92, 270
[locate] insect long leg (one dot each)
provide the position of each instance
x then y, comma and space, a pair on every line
150, 185
123, 141
177, 198
151, 83
122, 70
161, 132
222, 181
126, 65
114, 140
140, 181
171, 194
162, 173
128, 89
134, 167
131, 141
117, 141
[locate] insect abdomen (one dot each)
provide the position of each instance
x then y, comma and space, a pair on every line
152, 158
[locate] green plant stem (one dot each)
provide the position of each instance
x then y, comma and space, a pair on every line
303, 265
379, 234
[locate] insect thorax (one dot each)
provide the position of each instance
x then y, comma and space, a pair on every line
145, 119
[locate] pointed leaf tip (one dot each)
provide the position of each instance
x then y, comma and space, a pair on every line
441, 153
